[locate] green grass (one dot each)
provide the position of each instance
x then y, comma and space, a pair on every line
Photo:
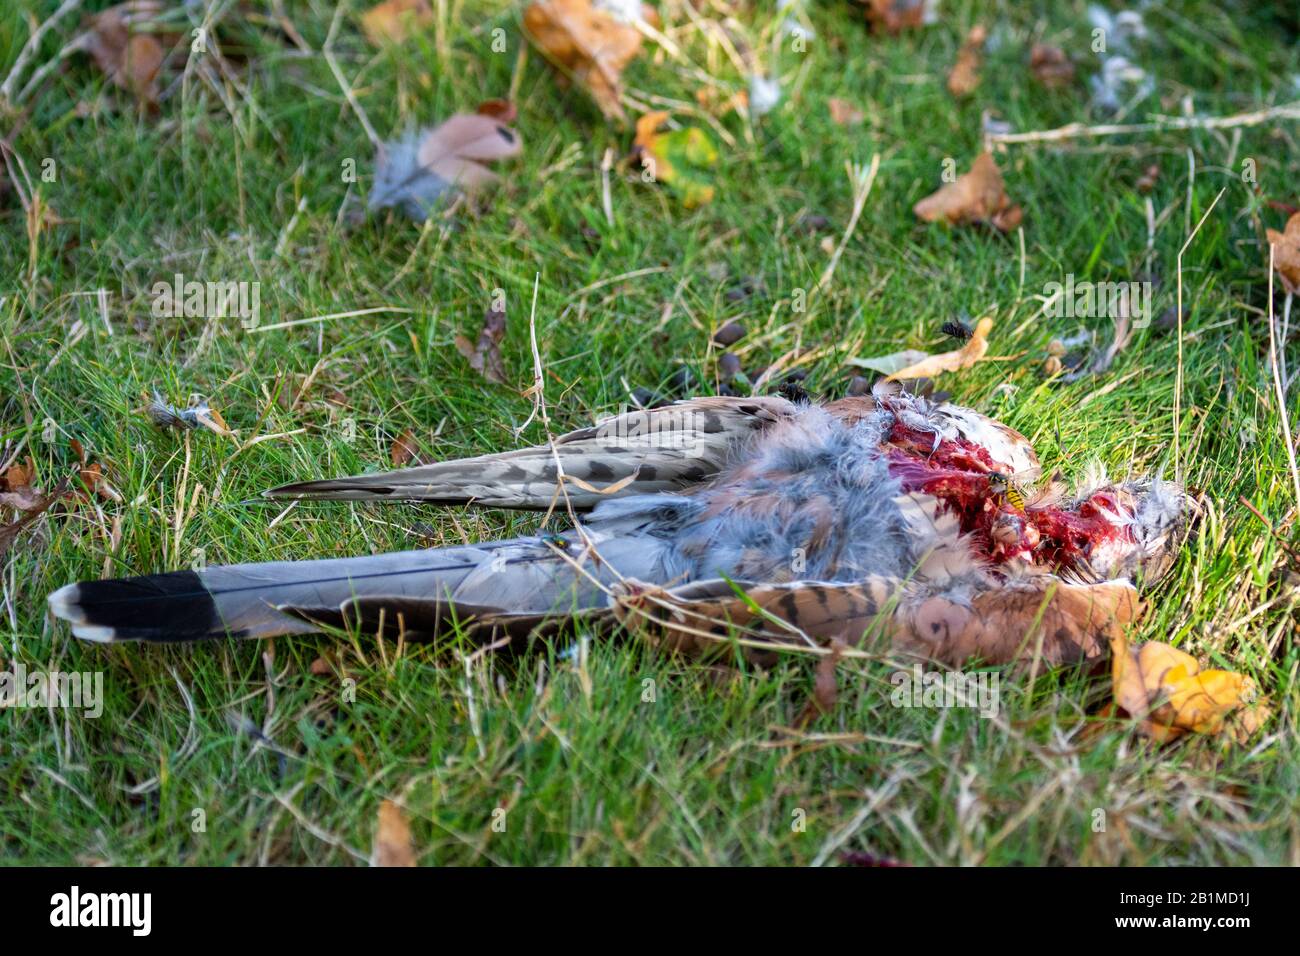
587, 770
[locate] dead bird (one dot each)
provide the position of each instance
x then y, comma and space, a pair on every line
874, 514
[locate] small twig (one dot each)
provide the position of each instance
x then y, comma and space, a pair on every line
1277, 380
537, 391
862, 183
327, 50
606, 202
1080, 131
1178, 375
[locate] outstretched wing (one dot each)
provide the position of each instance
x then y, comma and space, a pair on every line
1041, 618
668, 448
700, 619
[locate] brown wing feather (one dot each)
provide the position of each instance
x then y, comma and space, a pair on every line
664, 449
1003, 625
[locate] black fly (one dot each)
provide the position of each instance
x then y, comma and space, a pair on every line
957, 329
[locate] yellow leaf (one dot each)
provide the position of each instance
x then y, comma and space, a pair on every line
1168, 692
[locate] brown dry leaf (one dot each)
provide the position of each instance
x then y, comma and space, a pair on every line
18, 475
895, 16
590, 45
129, 57
1286, 255
404, 449
33, 508
1168, 692
484, 356
394, 20
965, 76
392, 838
976, 196
844, 112
16, 489
912, 364
1050, 66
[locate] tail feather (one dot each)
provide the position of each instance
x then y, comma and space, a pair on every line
421, 591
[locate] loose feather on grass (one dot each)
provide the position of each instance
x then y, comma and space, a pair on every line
417, 172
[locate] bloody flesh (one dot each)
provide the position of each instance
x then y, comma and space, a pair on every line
970, 484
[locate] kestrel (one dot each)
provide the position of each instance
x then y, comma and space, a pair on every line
885, 515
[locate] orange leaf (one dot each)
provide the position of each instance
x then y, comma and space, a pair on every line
1286, 255
965, 77
976, 196
589, 44
1168, 692
919, 365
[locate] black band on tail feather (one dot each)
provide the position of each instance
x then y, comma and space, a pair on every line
177, 607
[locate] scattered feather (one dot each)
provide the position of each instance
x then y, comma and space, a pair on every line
419, 171
199, 415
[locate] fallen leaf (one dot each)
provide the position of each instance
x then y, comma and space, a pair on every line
889, 364
895, 16
32, 509
484, 356
976, 196
912, 364
1166, 690
1050, 66
1286, 254
404, 449
16, 489
392, 838
418, 172
590, 45
92, 478
964, 78
128, 56
678, 158
394, 20
845, 113
18, 475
